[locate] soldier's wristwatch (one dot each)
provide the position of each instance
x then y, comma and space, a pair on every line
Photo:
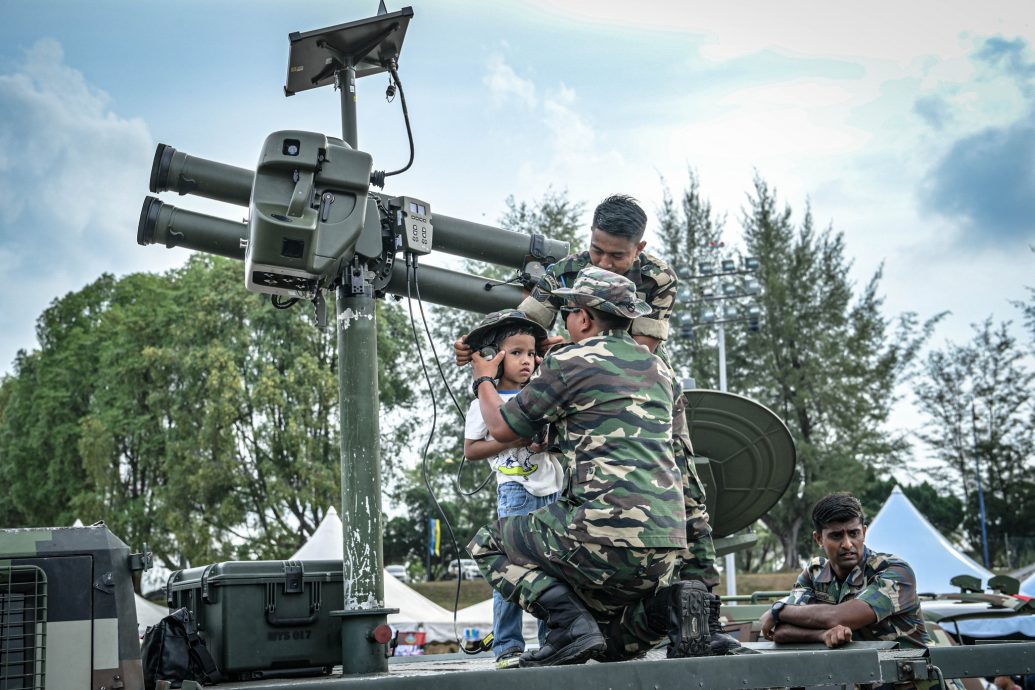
777, 608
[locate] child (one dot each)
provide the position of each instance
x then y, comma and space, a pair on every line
525, 480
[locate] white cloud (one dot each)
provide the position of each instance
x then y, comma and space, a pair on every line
505, 85
72, 178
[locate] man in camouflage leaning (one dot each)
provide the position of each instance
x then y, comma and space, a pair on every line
852, 592
616, 244
598, 564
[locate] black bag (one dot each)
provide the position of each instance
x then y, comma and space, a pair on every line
174, 651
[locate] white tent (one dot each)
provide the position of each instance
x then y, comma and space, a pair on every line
901, 529
479, 616
148, 613
415, 610
1028, 586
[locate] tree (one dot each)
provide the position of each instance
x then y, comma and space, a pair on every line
825, 359
185, 412
980, 411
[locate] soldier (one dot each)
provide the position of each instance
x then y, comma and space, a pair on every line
616, 244
613, 540
852, 593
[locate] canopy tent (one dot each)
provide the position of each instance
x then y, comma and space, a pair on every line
900, 529
415, 610
1028, 586
479, 616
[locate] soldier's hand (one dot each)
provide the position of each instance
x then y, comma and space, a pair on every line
552, 341
462, 351
485, 367
837, 636
768, 625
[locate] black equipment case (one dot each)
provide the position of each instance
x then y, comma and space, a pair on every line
264, 618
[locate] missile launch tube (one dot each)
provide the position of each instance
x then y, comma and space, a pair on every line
486, 243
175, 171
165, 224
455, 289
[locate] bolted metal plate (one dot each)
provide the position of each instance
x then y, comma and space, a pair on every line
743, 453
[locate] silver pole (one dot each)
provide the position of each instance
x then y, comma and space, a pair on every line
731, 560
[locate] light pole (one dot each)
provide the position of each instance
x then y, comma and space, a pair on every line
981, 491
727, 304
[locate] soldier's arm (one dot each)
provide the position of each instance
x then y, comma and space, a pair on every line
479, 449
853, 613
835, 636
489, 401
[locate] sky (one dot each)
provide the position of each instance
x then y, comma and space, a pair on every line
909, 127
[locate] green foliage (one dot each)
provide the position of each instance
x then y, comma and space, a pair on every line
826, 359
980, 410
184, 412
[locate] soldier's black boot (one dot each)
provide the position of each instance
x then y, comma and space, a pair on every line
572, 637
681, 611
720, 642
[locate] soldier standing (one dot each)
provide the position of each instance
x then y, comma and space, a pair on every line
598, 564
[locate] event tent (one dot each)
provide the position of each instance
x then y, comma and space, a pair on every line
1028, 586
900, 529
415, 610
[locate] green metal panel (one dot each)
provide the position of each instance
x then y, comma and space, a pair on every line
750, 455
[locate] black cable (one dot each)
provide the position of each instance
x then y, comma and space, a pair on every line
377, 177
442, 374
278, 304
427, 446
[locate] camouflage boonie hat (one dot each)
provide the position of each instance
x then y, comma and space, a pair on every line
485, 332
601, 289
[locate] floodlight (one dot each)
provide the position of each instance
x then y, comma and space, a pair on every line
729, 288
752, 286
684, 293
754, 311
706, 268
686, 332
728, 266
684, 273
729, 312
708, 316
708, 291
751, 263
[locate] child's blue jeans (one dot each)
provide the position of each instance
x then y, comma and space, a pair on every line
506, 617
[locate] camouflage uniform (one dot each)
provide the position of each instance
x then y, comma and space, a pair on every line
617, 532
656, 285
883, 581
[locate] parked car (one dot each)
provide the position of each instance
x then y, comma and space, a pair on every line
398, 572
465, 568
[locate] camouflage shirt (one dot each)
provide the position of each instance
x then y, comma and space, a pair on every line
883, 581
610, 401
655, 284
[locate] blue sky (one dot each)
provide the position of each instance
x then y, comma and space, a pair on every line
908, 126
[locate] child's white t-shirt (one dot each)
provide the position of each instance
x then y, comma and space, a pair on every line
539, 473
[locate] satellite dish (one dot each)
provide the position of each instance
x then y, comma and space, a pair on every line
744, 454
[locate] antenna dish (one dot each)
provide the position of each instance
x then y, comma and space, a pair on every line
749, 455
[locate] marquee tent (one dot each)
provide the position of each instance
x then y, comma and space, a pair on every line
900, 529
415, 610
1028, 586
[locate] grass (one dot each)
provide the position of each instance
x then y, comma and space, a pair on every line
473, 591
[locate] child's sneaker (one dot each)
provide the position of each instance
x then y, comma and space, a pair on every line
508, 659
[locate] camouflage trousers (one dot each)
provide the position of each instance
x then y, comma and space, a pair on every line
698, 561
522, 557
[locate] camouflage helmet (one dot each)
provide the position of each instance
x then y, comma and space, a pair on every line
485, 332
601, 289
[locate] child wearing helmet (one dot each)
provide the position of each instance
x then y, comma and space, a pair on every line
526, 479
